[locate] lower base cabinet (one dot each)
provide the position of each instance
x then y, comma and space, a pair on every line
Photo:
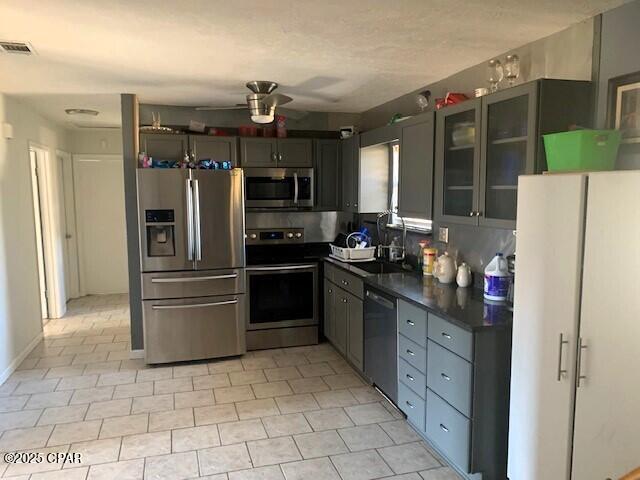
453, 387
343, 322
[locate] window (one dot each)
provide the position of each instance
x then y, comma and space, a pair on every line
411, 223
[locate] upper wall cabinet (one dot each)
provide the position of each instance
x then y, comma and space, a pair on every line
327, 173
350, 158
164, 146
415, 189
220, 149
276, 152
483, 145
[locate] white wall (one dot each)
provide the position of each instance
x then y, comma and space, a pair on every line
20, 317
103, 141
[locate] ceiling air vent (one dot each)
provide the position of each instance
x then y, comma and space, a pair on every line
16, 47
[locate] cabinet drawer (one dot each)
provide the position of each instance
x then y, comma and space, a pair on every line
450, 377
449, 430
329, 271
450, 336
412, 322
412, 353
412, 405
412, 378
349, 282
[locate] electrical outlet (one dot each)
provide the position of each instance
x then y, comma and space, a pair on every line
443, 234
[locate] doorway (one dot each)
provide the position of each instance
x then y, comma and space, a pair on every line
36, 157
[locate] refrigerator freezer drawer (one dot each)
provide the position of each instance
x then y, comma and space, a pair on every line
191, 284
193, 329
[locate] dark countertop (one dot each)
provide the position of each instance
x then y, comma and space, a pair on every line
465, 307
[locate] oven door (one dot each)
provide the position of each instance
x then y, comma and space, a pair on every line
282, 296
278, 187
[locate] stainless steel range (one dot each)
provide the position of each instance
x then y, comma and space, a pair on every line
282, 286
192, 260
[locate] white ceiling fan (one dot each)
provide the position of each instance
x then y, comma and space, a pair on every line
261, 103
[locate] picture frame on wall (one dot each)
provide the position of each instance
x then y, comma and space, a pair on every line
624, 106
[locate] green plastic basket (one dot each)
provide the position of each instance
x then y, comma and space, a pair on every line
582, 150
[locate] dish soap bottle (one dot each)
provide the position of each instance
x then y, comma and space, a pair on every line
497, 279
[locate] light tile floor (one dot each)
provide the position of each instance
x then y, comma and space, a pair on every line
283, 414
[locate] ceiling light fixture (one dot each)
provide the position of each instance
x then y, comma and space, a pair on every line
262, 118
81, 111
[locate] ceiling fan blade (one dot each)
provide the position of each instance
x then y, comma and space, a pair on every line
276, 99
239, 106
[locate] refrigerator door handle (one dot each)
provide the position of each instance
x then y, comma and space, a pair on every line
193, 279
295, 188
561, 345
189, 193
193, 305
196, 219
581, 346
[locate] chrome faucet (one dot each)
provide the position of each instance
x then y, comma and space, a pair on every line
396, 253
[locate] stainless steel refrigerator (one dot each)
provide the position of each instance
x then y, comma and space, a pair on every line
192, 261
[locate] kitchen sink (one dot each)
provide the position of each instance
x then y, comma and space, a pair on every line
379, 267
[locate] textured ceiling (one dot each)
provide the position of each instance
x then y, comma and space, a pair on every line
330, 55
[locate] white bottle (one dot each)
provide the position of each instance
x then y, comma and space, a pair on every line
497, 279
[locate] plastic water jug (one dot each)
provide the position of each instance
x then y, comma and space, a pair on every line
497, 279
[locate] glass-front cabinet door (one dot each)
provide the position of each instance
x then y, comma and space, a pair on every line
508, 150
457, 163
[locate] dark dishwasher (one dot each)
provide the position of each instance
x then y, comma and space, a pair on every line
381, 342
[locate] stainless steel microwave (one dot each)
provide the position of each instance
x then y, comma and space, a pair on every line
278, 187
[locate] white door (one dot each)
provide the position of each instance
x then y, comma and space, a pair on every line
607, 422
100, 223
548, 258
68, 216
37, 213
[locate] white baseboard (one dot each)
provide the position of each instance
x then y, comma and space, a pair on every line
19, 359
136, 353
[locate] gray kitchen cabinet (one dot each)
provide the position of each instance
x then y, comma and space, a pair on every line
453, 385
344, 314
276, 152
340, 322
350, 158
164, 146
415, 189
219, 149
295, 152
355, 330
484, 144
327, 172
258, 152
329, 310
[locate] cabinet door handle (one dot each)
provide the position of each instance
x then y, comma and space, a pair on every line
582, 347
444, 429
409, 322
330, 291
446, 377
410, 352
344, 300
446, 335
472, 214
411, 405
279, 157
561, 371
273, 156
410, 377
344, 282
478, 214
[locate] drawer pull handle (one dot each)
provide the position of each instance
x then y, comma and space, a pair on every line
409, 322
194, 305
344, 282
444, 429
446, 377
411, 405
193, 279
410, 377
410, 352
446, 335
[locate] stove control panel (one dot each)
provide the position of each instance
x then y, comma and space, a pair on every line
274, 236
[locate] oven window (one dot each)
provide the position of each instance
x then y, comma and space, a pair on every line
304, 188
266, 188
280, 297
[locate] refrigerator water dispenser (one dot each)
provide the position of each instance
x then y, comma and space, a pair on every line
160, 233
